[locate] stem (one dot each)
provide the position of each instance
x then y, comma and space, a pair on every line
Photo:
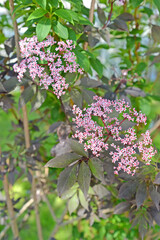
25, 124
137, 45
22, 210
10, 208
105, 125
91, 15
109, 16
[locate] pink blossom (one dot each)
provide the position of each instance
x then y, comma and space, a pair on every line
99, 129
47, 67
119, 2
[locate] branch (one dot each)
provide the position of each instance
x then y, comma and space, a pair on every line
62, 224
91, 15
109, 16
25, 124
22, 210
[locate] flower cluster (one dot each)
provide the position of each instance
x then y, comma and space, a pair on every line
120, 2
47, 61
102, 126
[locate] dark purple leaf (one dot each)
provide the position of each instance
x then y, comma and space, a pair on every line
54, 127
67, 179
88, 82
101, 15
6, 103
141, 194
156, 33
155, 214
128, 189
126, 17
77, 147
9, 45
88, 95
84, 178
135, 92
96, 167
119, 25
101, 191
143, 227
26, 96
122, 207
92, 41
63, 161
2, 89
157, 179
76, 97
38, 99
10, 84
155, 196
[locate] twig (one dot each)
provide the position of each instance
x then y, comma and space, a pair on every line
22, 210
10, 208
25, 124
91, 15
109, 16
62, 224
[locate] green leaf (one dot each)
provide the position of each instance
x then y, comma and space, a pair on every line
61, 30
140, 67
43, 28
84, 178
72, 35
73, 204
136, 3
82, 199
64, 14
77, 147
42, 3
157, 3
84, 21
67, 179
68, 194
40, 12
82, 60
53, 3
63, 160
96, 167
38, 99
97, 66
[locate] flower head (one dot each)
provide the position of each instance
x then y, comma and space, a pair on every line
102, 127
120, 2
47, 61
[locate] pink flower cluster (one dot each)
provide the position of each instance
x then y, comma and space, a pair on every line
120, 2
47, 62
100, 127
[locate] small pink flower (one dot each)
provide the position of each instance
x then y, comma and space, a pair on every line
95, 135
46, 66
